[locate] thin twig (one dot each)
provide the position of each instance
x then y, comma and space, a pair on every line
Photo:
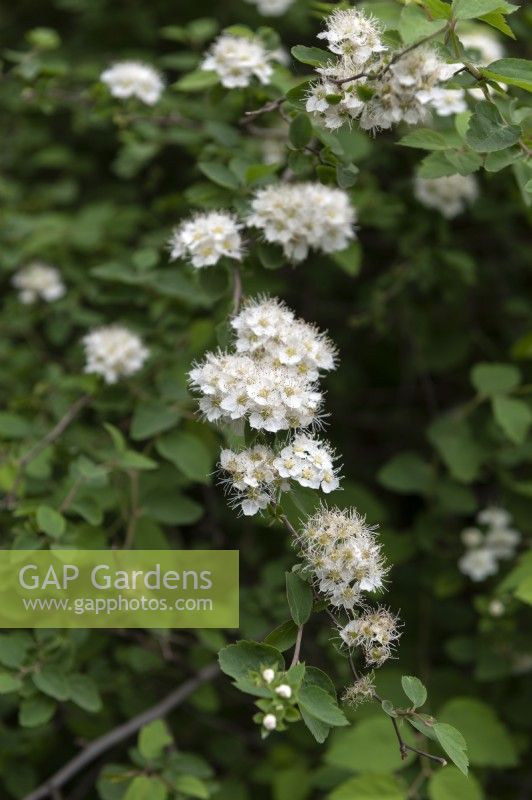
50, 437
121, 733
297, 648
273, 105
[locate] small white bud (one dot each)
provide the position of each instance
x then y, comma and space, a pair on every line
496, 608
268, 675
472, 537
270, 722
284, 691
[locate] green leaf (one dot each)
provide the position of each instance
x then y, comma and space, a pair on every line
219, 174
514, 71
50, 521
52, 682
369, 787
436, 165
350, 259
300, 598
171, 507
196, 81
320, 730
514, 416
153, 738
35, 711
238, 660
9, 683
369, 746
488, 741
438, 9
406, 473
457, 446
487, 131
150, 418
83, 691
414, 690
14, 648
472, 9
321, 705
311, 55
414, 25
450, 784
191, 786
498, 21
13, 427
453, 743
494, 379
144, 788
300, 132
188, 453
425, 139
283, 637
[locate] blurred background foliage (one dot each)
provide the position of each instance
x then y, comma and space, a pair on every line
95, 188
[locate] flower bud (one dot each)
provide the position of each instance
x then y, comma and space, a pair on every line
270, 722
268, 675
284, 691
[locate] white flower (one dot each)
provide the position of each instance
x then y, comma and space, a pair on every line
238, 59
472, 537
38, 281
343, 554
133, 79
361, 690
303, 216
271, 8
269, 722
503, 542
375, 631
446, 102
205, 238
449, 195
496, 608
284, 691
494, 517
114, 352
268, 675
478, 564
354, 35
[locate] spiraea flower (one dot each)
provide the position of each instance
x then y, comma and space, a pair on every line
38, 281
271, 8
343, 555
267, 328
206, 238
134, 79
114, 352
375, 631
450, 195
257, 475
359, 692
447, 102
303, 216
485, 549
482, 46
239, 59
354, 35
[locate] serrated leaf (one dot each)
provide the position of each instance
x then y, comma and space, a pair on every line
453, 743
514, 71
425, 139
238, 660
414, 690
321, 705
300, 598
487, 131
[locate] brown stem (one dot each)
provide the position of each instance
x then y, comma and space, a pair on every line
297, 648
273, 105
50, 437
117, 735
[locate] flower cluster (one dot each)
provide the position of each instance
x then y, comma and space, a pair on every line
257, 475
38, 281
360, 691
373, 86
450, 195
239, 59
271, 8
206, 238
268, 381
486, 549
134, 79
303, 216
375, 632
114, 352
277, 708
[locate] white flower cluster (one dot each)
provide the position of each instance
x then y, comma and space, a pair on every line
38, 281
388, 88
269, 381
360, 691
258, 474
271, 8
114, 352
486, 549
206, 238
239, 59
450, 195
282, 697
375, 632
134, 79
303, 216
